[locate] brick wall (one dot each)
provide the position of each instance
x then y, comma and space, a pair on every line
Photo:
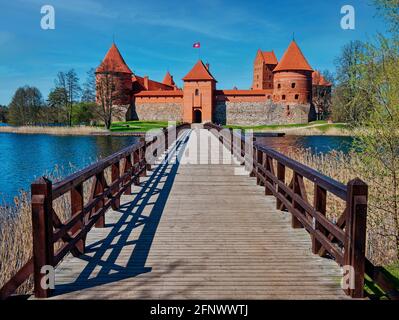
259, 113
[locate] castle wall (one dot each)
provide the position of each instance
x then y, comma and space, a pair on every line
260, 113
158, 108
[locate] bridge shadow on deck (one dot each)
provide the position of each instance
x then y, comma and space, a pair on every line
131, 218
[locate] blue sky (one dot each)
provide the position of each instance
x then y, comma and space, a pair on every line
156, 36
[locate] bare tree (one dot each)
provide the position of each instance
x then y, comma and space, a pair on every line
109, 93
69, 82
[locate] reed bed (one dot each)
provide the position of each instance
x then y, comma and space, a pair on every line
76, 130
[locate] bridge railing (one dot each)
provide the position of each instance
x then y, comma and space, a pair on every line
53, 239
345, 239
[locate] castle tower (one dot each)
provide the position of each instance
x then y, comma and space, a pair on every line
198, 91
168, 80
293, 78
264, 64
114, 72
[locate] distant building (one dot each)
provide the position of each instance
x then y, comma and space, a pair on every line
281, 92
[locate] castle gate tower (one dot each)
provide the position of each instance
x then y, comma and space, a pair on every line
198, 91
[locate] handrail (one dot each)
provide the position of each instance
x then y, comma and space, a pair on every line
344, 241
127, 166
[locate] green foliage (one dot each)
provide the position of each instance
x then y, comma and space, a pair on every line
26, 106
378, 84
3, 114
83, 113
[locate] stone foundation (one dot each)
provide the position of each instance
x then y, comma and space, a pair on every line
260, 113
158, 111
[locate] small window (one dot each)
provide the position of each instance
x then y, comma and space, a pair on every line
196, 92
288, 108
270, 77
296, 96
293, 85
283, 97
279, 86
270, 85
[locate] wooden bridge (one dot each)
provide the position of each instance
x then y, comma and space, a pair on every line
202, 227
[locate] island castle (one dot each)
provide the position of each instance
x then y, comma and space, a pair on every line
281, 92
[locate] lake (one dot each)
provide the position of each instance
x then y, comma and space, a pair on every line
25, 157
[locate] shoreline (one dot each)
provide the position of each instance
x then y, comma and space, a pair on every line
95, 131
66, 131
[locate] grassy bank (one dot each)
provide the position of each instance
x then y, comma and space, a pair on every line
117, 127
137, 126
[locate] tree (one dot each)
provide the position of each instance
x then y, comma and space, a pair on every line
89, 87
108, 93
389, 9
69, 82
3, 114
347, 106
84, 113
378, 137
26, 106
57, 101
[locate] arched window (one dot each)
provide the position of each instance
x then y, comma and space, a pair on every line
296, 96
283, 97
196, 92
293, 85
279, 86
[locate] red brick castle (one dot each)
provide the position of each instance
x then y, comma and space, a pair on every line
281, 92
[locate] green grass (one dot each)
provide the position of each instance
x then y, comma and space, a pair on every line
276, 126
374, 291
326, 127
137, 126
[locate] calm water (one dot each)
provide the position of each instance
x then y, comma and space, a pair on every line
23, 158
26, 157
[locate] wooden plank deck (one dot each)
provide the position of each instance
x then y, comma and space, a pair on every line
199, 231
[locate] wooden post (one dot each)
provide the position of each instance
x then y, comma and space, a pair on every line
320, 205
128, 166
269, 168
295, 223
355, 240
136, 161
99, 186
281, 178
115, 175
77, 206
42, 232
231, 141
260, 160
254, 162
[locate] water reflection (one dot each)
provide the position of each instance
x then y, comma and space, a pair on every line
26, 157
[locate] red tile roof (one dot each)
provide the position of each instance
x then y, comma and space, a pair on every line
319, 80
269, 57
114, 61
293, 59
199, 72
160, 93
168, 80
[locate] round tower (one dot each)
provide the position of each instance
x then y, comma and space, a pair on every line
114, 78
293, 78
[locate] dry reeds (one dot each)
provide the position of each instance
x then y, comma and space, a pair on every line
77, 130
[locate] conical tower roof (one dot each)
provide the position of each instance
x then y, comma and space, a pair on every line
199, 72
293, 59
168, 80
114, 62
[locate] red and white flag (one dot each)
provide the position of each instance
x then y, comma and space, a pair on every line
197, 45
